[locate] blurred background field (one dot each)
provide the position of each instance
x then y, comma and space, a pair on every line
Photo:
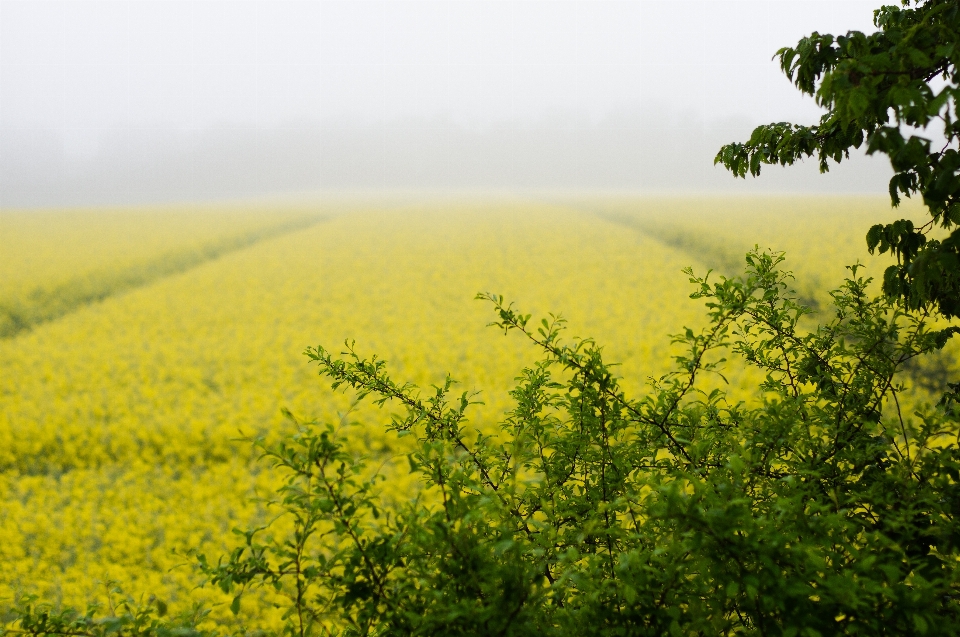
120, 412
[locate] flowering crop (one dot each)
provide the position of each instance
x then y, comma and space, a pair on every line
119, 421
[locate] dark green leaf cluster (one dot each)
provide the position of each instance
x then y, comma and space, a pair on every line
821, 509
884, 89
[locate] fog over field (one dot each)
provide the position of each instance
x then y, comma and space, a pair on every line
139, 101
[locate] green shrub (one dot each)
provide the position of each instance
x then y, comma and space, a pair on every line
821, 509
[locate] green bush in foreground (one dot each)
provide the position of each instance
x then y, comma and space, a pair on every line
823, 509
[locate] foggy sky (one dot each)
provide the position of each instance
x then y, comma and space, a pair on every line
140, 101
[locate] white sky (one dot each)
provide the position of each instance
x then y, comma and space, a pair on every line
197, 64
85, 70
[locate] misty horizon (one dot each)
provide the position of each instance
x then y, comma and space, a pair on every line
143, 102
229, 163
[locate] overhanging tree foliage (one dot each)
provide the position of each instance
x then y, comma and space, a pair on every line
889, 90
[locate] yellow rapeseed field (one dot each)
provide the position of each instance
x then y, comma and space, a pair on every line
119, 417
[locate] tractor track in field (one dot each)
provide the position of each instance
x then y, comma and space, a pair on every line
43, 305
713, 253
930, 375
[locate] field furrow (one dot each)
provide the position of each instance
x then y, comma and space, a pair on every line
42, 303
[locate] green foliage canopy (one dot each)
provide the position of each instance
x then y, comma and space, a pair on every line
884, 89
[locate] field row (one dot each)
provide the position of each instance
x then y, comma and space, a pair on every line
28, 298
